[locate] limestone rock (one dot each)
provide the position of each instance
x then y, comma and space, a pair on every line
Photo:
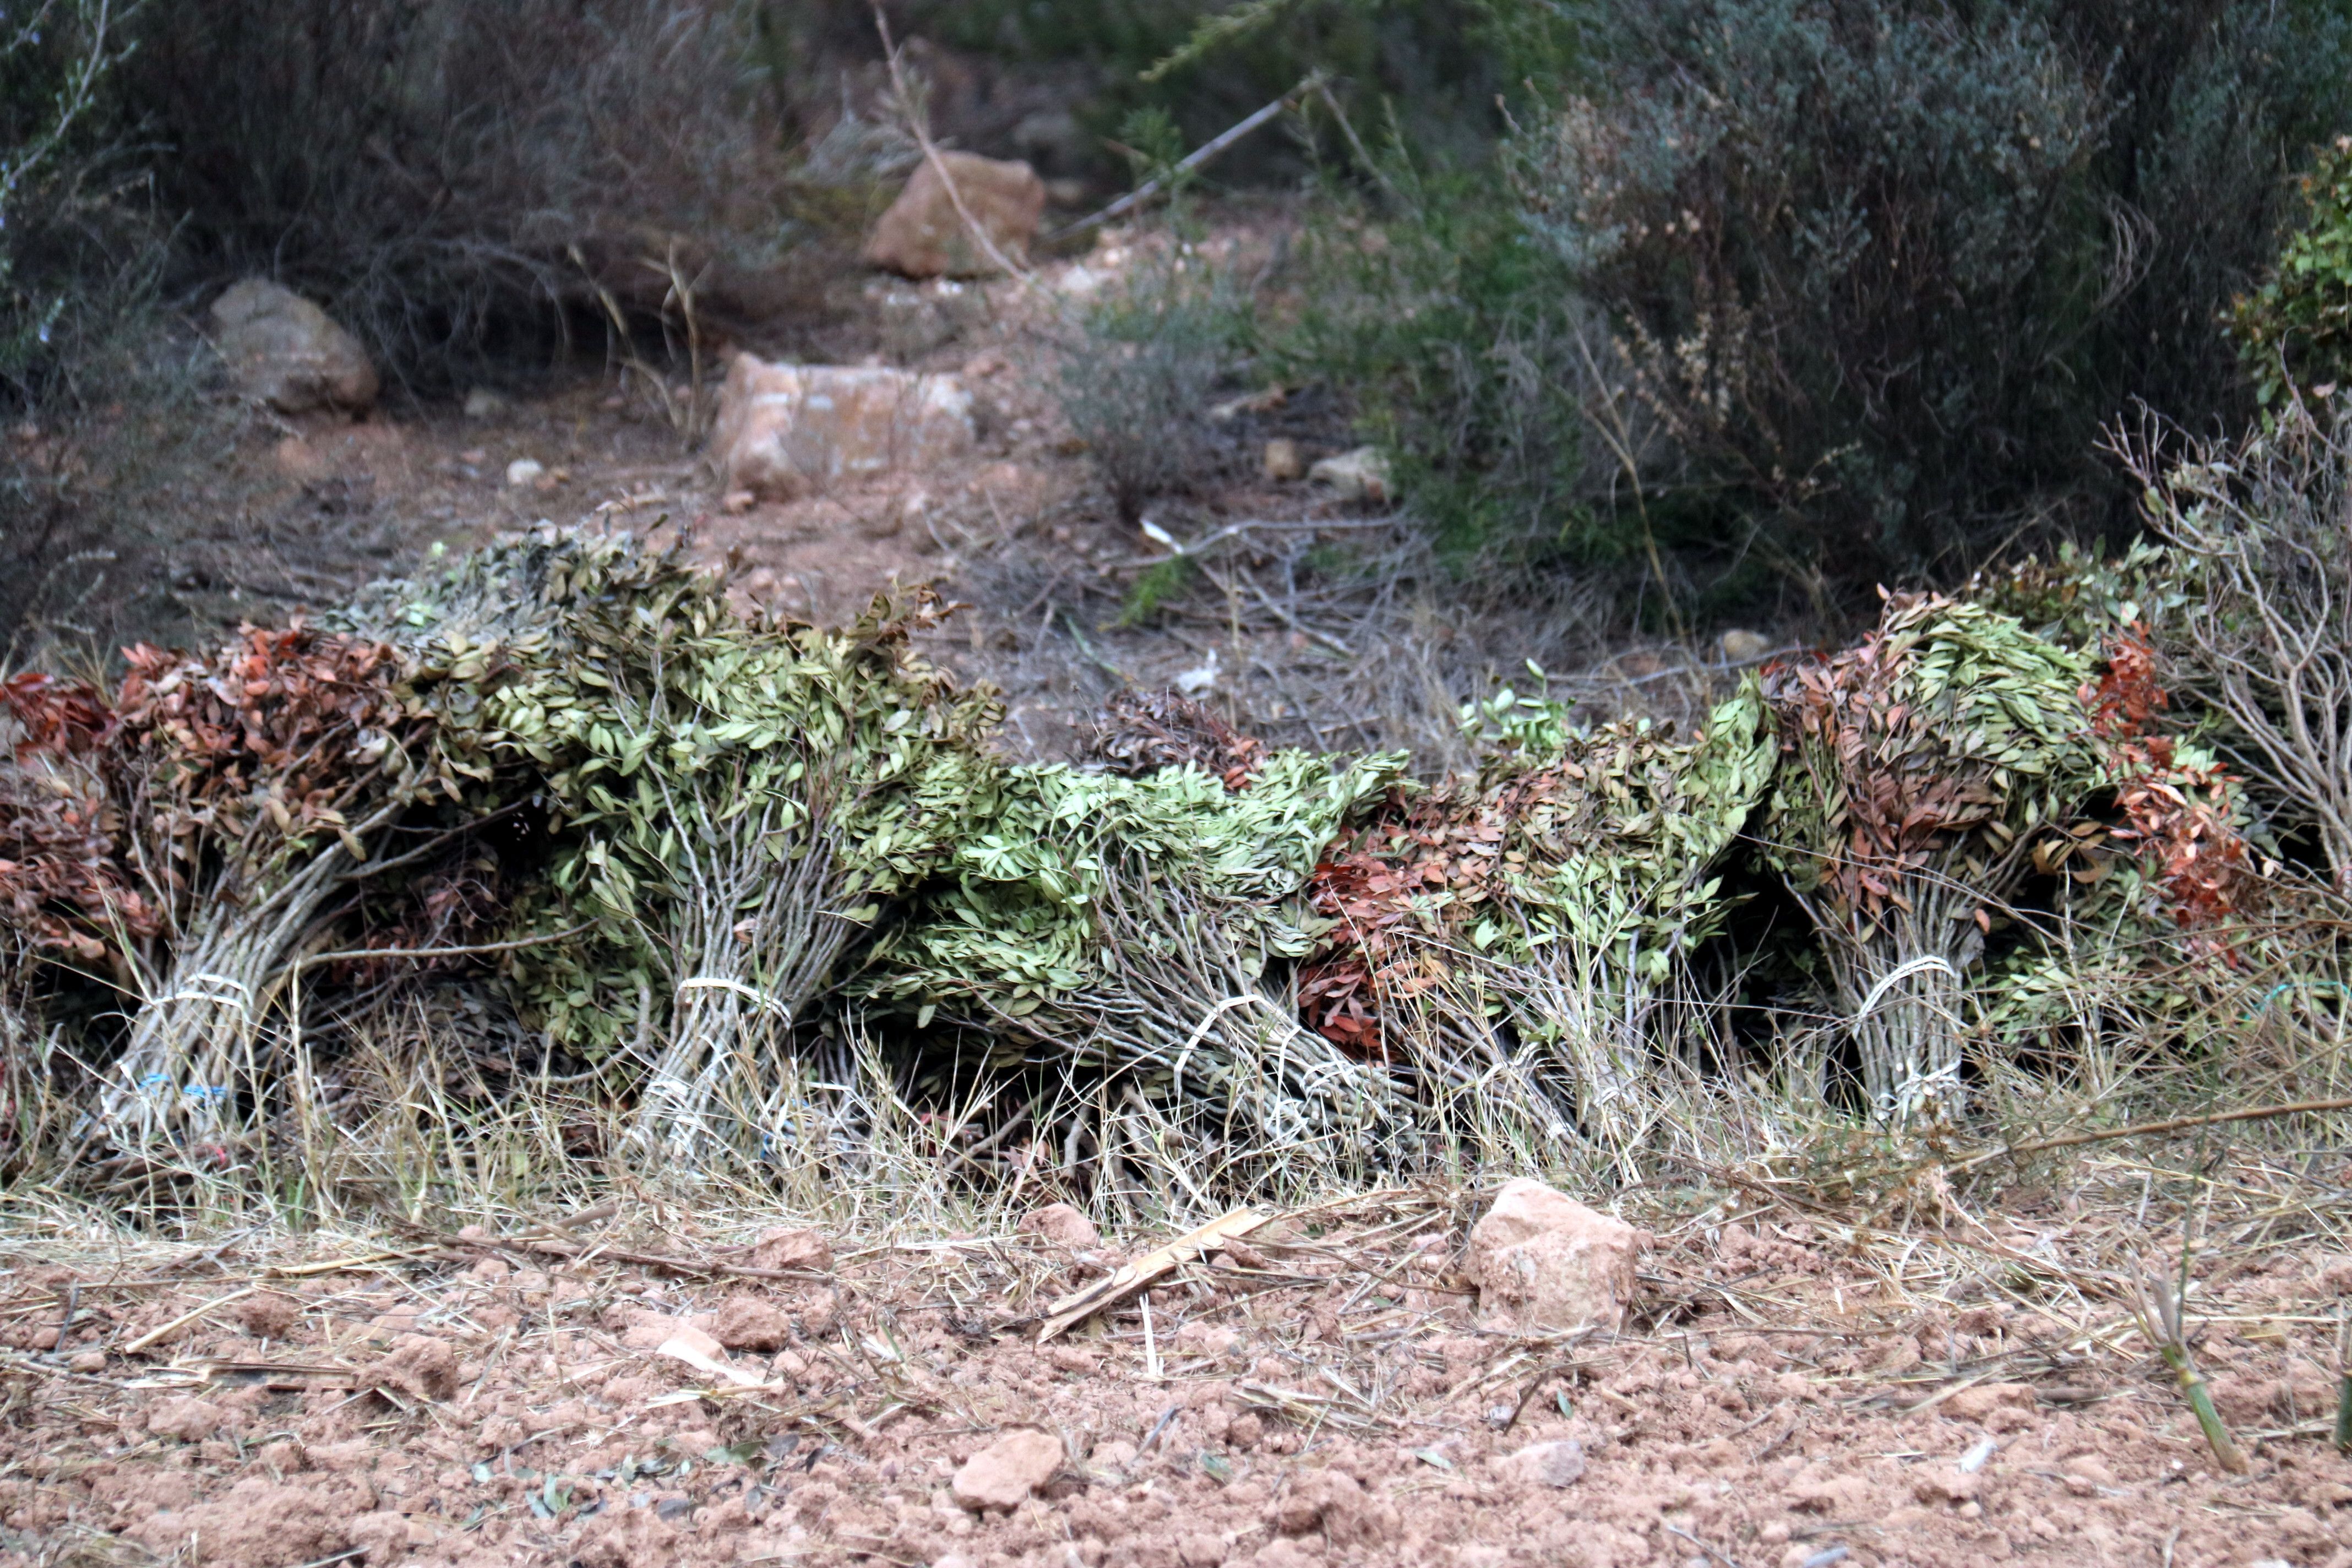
923, 236
285, 350
1061, 1223
1360, 475
1281, 462
787, 430
1744, 646
1543, 1260
1008, 1472
793, 1247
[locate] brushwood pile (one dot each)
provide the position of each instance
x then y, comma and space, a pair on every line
695, 858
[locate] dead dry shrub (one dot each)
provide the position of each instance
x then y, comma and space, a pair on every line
2264, 637
426, 167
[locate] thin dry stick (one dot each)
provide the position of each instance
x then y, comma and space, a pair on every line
2148, 1129
1192, 160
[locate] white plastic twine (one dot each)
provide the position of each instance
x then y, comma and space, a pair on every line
1896, 975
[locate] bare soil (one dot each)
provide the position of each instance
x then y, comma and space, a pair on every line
1790, 1389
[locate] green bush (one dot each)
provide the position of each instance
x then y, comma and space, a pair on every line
1883, 267
1453, 339
2297, 327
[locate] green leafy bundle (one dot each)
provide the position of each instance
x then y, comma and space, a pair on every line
1920, 773
731, 800
1556, 893
1131, 926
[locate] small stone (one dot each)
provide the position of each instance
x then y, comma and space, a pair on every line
1977, 1403
793, 1247
285, 350
1061, 1223
1744, 646
923, 236
1009, 1471
1542, 1261
1360, 475
87, 1362
748, 1322
524, 471
481, 402
735, 503
1555, 1464
189, 1419
1283, 461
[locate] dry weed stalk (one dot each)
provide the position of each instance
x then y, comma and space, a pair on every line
2265, 632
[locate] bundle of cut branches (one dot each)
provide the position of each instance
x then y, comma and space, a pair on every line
1504, 937
1922, 773
731, 801
1133, 929
254, 777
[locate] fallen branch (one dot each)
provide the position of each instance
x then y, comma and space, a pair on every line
1192, 161
1084, 1302
2150, 1128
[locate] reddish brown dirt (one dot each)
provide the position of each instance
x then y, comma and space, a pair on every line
1335, 1402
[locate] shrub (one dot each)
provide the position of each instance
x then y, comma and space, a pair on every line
426, 168
1137, 385
1883, 266
2299, 322
1454, 342
2263, 637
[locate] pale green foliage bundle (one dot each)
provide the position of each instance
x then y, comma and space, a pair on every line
1129, 924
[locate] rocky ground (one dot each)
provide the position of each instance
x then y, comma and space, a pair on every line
1789, 1388
1316, 617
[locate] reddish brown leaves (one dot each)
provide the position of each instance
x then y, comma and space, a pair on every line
2178, 810
62, 880
276, 732
1140, 731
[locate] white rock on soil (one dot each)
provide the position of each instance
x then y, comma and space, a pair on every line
1360, 475
788, 430
1744, 646
923, 236
1009, 1471
524, 471
1061, 1223
1555, 1464
1542, 1261
285, 350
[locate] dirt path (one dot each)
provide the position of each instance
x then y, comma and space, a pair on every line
1332, 1397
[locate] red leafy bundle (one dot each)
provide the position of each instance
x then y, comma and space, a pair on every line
269, 742
2179, 810
1381, 949
62, 878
